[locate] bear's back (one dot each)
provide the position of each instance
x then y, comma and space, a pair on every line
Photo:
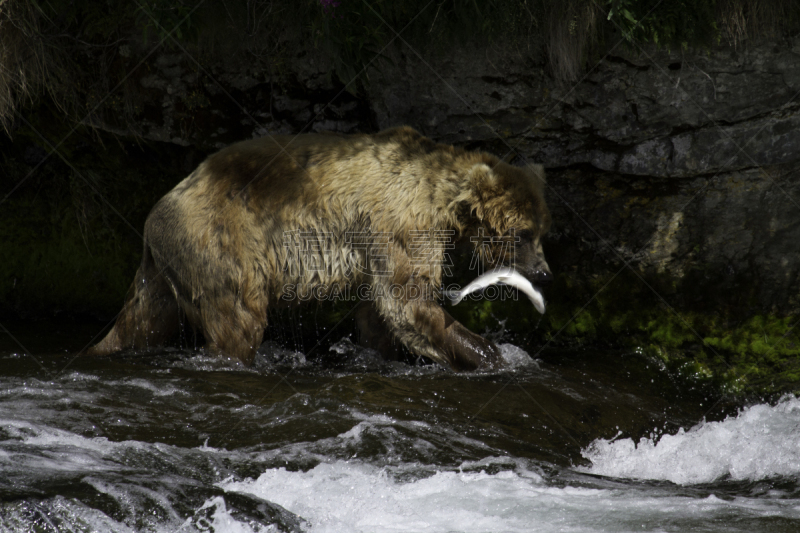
312, 170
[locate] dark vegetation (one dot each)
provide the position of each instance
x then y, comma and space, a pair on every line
70, 220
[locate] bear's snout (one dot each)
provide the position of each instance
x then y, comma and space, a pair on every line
540, 277
532, 264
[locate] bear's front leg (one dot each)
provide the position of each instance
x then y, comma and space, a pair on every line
427, 329
463, 349
375, 333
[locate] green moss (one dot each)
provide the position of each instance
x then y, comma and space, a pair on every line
758, 353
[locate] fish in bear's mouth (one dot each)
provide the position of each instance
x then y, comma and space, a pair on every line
507, 276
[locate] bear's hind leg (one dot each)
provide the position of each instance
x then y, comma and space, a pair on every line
150, 316
232, 329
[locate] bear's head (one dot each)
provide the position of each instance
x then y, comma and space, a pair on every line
506, 217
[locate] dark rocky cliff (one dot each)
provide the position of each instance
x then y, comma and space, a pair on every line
683, 166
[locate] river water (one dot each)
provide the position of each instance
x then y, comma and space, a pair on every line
575, 440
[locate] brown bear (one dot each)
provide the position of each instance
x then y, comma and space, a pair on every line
276, 219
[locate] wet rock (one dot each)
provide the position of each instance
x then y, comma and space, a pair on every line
246, 509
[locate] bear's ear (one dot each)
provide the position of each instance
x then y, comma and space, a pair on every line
482, 178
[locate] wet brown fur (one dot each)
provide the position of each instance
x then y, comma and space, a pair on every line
216, 245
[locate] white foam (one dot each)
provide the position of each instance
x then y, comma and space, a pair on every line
762, 442
349, 497
342, 497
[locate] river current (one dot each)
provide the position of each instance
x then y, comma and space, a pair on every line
573, 440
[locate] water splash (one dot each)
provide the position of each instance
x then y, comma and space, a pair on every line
761, 442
